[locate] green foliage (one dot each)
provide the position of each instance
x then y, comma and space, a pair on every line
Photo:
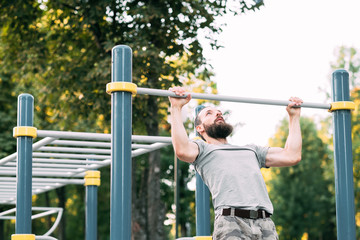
302, 200
348, 58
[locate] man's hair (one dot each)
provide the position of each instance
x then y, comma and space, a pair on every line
197, 121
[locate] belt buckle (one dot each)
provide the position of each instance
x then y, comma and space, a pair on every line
253, 214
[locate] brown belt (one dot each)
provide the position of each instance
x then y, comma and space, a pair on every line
245, 213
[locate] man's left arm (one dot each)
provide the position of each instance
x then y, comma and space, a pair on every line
290, 155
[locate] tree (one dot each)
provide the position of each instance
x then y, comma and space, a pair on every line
300, 194
60, 52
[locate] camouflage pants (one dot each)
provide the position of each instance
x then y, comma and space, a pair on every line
235, 228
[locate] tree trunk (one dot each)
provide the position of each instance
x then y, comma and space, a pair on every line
139, 205
61, 194
155, 207
2, 236
47, 204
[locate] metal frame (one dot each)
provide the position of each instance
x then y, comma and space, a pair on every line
45, 211
52, 159
62, 158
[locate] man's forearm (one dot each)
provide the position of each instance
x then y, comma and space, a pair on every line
294, 141
178, 133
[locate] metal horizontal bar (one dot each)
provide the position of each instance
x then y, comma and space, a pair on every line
41, 170
36, 146
62, 160
46, 180
82, 143
56, 165
74, 135
64, 155
98, 136
151, 139
45, 174
155, 146
167, 93
136, 146
76, 150
91, 144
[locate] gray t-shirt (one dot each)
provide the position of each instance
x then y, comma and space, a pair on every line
232, 174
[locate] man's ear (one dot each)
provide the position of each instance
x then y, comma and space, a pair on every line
200, 129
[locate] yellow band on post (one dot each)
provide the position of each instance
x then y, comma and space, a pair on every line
24, 131
121, 87
345, 105
92, 174
203, 238
92, 178
23, 237
92, 182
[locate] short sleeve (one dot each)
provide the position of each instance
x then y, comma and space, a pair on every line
201, 145
261, 154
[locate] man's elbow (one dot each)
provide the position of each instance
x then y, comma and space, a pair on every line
184, 156
296, 160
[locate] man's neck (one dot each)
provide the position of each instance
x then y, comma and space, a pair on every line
216, 141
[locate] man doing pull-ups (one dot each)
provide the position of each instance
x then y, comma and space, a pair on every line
232, 173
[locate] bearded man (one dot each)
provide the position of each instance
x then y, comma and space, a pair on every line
232, 173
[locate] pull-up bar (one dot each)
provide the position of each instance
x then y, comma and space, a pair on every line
217, 97
131, 87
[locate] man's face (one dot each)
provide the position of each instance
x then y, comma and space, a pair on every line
213, 123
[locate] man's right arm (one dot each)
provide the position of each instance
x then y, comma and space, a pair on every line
185, 150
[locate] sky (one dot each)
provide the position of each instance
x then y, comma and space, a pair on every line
284, 49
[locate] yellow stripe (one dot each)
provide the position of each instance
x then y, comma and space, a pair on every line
345, 105
92, 182
24, 131
23, 237
92, 178
92, 174
121, 87
203, 238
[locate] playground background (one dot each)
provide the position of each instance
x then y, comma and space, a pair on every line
283, 48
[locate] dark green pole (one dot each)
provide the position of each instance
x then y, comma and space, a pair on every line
24, 166
120, 218
202, 201
176, 193
344, 184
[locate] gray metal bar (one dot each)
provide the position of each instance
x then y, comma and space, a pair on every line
76, 150
61, 160
36, 146
74, 135
98, 136
151, 139
155, 146
167, 93
82, 143
64, 155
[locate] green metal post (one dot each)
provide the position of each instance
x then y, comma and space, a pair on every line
344, 185
91, 212
202, 201
176, 193
120, 218
24, 166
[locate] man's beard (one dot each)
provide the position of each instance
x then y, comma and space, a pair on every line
218, 130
